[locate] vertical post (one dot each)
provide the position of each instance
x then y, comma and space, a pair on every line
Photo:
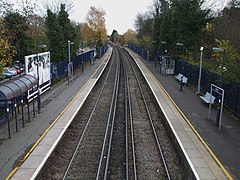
19, 60
210, 104
28, 108
165, 49
223, 61
15, 114
38, 85
181, 83
22, 111
82, 67
69, 58
70, 72
148, 56
33, 102
223, 67
220, 120
218, 113
8, 120
200, 71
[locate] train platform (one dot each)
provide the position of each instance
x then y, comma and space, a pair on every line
55, 103
191, 106
224, 144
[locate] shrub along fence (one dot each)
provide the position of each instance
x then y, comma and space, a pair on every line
232, 91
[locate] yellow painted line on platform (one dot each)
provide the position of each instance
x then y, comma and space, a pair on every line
194, 130
47, 130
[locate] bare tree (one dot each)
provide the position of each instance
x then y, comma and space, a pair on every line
55, 5
5, 7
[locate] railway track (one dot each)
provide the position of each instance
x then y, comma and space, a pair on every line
118, 134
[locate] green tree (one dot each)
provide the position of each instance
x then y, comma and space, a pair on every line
189, 21
68, 30
160, 9
231, 61
184, 22
55, 37
17, 27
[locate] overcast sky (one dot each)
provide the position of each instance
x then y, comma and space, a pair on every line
120, 14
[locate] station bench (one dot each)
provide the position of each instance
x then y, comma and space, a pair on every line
208, 98
180, 76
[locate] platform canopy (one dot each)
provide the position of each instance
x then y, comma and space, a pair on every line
16, 87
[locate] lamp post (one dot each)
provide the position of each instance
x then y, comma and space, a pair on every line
69, 54
200, 71
70, 66
181, 82
165, 49
38, 83
223, 61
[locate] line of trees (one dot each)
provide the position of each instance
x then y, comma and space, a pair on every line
23, 29
189, 23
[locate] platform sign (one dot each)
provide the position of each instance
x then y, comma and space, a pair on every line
220, 92
33, 64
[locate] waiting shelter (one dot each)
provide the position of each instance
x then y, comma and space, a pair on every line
12, 96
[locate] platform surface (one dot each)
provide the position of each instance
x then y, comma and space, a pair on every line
199, 159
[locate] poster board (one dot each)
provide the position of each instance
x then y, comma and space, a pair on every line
39, 66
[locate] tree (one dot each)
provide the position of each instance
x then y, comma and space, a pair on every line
96, 21
130, 37
68, 30
160, 9
5, 52
55, 5
227, 24
18, 27
144, 29
87, 32
184, 22
55, 37
232, 61
5, 7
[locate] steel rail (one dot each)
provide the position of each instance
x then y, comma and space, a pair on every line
113, 118
126, 119
110, 116
152, 125
88, 122
131, 127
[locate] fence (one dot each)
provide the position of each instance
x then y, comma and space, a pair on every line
60, 69
232, 91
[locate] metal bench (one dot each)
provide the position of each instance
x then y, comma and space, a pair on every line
180, 76
208, 98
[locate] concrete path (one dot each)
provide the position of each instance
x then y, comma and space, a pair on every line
54, 102
225, 143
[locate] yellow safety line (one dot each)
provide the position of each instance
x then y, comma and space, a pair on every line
195, 131
46, 131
